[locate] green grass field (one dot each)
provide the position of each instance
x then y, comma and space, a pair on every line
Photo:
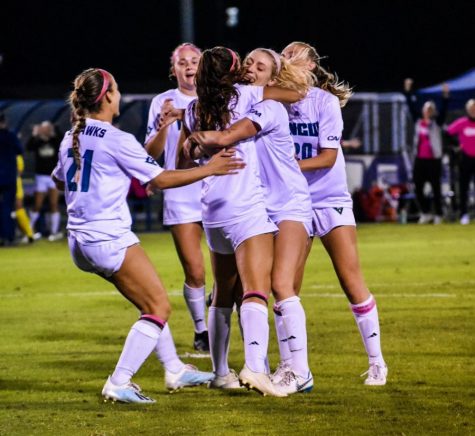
62, 332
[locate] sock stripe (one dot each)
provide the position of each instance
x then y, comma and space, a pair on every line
154, 320
363, 309
255, 294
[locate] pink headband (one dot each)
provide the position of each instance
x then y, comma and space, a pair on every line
105, 84
181, 47
276, 57
234, 59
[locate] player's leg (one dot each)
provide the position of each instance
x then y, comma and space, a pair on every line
187, 239
290, 252
219, 319
55, 216
341, 245
254, 259
40, 194
20, 212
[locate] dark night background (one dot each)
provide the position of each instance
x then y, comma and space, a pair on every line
372, 45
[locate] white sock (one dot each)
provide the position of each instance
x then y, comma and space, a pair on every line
219, 331
284, 350
55, 222
294, 323
33, 218
166, 351
140, 342
255, 326
195, 300
366, 317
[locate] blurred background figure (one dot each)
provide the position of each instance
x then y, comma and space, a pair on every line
45, 142
428, 151
464, 129
10, 148
20, 213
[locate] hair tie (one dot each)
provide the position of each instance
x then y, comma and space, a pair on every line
233, 55
275, 56
105, 84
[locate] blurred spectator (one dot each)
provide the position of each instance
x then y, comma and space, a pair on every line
10, 148
45, 142
428, 150
464, 129
20, 212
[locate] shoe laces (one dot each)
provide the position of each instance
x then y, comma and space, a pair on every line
373, 371
288, 378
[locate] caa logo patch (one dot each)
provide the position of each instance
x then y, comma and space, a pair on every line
333, 138
151, 161
254, 111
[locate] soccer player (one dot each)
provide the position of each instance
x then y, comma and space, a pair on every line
287, 201
316, 125
238, 230
182, 206
96, 163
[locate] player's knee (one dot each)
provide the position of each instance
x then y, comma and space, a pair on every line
194, 275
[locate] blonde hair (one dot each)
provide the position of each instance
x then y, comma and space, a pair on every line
324, 79
288, 74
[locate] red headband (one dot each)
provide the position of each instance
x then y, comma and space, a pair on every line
105, 84
234, 59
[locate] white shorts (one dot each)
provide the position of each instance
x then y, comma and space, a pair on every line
308, 224
182, 205
226, 239
326, 219
104, 259
44, 183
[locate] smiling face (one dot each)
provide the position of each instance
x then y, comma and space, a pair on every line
184, 68
260, 68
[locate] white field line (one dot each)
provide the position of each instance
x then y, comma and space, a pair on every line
304, 294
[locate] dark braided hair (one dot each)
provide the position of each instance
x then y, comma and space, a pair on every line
83, 101
217, 73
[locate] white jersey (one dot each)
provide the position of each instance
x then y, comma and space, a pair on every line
228, 199
316, 123
286, 190
181, 205
97, 206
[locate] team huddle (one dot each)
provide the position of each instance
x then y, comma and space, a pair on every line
252, 159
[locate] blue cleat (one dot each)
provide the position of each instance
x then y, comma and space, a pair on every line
187, 377
126, 393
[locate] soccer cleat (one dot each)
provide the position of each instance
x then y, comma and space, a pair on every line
465, 219
55, 236
189, 376
279, 373
292, 383
259, 382
425, 218
377, 374
126, 393
230, 381
201, 341
437, 220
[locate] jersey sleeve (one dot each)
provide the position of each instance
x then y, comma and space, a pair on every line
264, 114
153, 115
331, 124
135, 161
455, 127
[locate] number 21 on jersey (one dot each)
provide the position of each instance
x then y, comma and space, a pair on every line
86, 171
